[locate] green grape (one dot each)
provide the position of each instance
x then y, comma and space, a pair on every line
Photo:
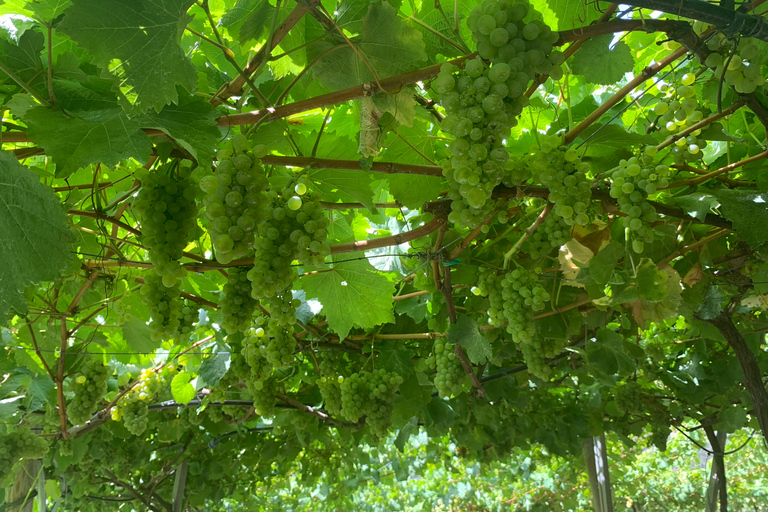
89, 387
630, 185
18, 445
286, 236
294, 203
237, 305
168, 212
628, 396
132, 408
450, 379
238, 203
566, 178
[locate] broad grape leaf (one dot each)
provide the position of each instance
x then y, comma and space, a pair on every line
334, 184
443, 22
597, 65
34, 233
181, 389
353, 294
23, 58
602, 265
696, 205
137, 335
402, 105
74, 143
248, 19
573, 13
413, 190
48, 10
465, 333
748, 211
191, 124
144, 36
614, 136
214, 368
388, 44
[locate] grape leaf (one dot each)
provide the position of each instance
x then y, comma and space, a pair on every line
696, 205
748, 211
465, 333
602, 265
353, 294
191, 124
144, 35
356, 184
388, 44
23, 59
34, 233
597, 65
248, 19
74, 143
48, 10
413, 190
136, 335
214, 368
441, 21
181, 389
573, 13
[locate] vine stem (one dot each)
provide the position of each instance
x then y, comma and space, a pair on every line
644, 75
528, 232
718, 172
318, 414
234, 87
701, 124
60, 378
37, 349
354, 165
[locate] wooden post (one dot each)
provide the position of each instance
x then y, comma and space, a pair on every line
596, 459
20, 497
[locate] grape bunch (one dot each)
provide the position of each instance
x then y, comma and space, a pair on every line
742, 72
370, 394
551, 234
514, 297
165, 309
237, 305
450, 379
561, 170
271, 341
235, 200
168, 210
330, 381
627, 396
264, 395
296, 229
678, 110
632, 183
17, 445
132, 408
89, 388
482, 102
189, 317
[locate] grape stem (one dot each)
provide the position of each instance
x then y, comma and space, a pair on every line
318, 414
528, 232
60, 378
722, 170
479, 391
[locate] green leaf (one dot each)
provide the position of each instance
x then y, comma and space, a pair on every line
573, 13
181, 389
137, 335
335, 184
214, 368
651, 282
602, 264
441, 22
75, 143
353, 294
613, 136
465, 333
413, 190
402, 105
696, 205
34, 233
48, 10
748, 211
248, 19
389, 45
144, 36
23, 59
191, 124
42, 388
597, 65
